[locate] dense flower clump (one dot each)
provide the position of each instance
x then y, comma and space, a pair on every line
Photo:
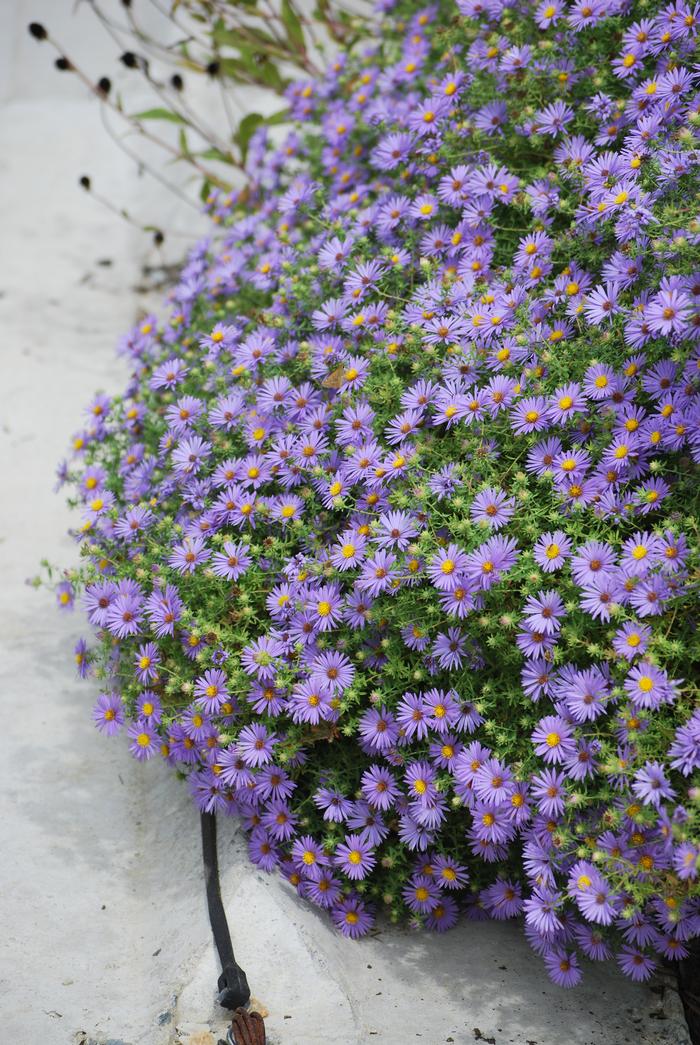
389, 544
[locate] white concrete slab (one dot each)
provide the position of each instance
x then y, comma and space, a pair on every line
103, 923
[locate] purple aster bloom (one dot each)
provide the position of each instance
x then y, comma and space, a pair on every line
651, 785
446, 566
65, 595
325, 606
81, 658
563, 967
234, 770
368, 822
493, 507
542, 613
493, 782
553, 739
352, 917
261, 849
97, 600
552, 550
420, 782
542, 911
279, 820
449, 874
536, 678
144, 740
131, 525
378, 574
311, 701
149, 707
379, 787
125, 616
635, 963
640, 553
649, 596
232, 562
647, 686
258, 657
592, 560
355, 857
256, 745
494, 557
187, 556
442, 709
411, 716
685, 749
449, 649
586, 693
421, 894
335, 807
686, 861
378, 729
601, 304
600, 596
492, 823
529, 415
444, 916
147, 661
168, 374
631, 640
164, 609
549, 792
108, 713
503, 899
565, 402
349, 550
210, 689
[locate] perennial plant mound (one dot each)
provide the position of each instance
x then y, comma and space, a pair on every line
390, 544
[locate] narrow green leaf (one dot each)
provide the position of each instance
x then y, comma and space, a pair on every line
246, 130
158, 114
290, 18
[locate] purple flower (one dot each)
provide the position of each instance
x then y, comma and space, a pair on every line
449, 649
651, 785
563, 967
144, 739
542, 613
352, 917
378, 729
210, 690
355, 857
187, 556
635, 963
553, 739
552, 550
108, 713
542, 910
255, 745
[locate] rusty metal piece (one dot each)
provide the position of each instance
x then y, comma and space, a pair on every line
247, 1028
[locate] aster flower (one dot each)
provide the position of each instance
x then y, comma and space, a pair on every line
355, 857
108, 713
255, 745
352, 917
552, 550
553, 739
144, 740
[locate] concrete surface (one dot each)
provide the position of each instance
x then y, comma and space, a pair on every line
105, 938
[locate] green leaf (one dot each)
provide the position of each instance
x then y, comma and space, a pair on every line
290, 19
158, 114
277, 117
205, 190
246, 129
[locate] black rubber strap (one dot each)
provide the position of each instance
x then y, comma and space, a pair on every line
233, 984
